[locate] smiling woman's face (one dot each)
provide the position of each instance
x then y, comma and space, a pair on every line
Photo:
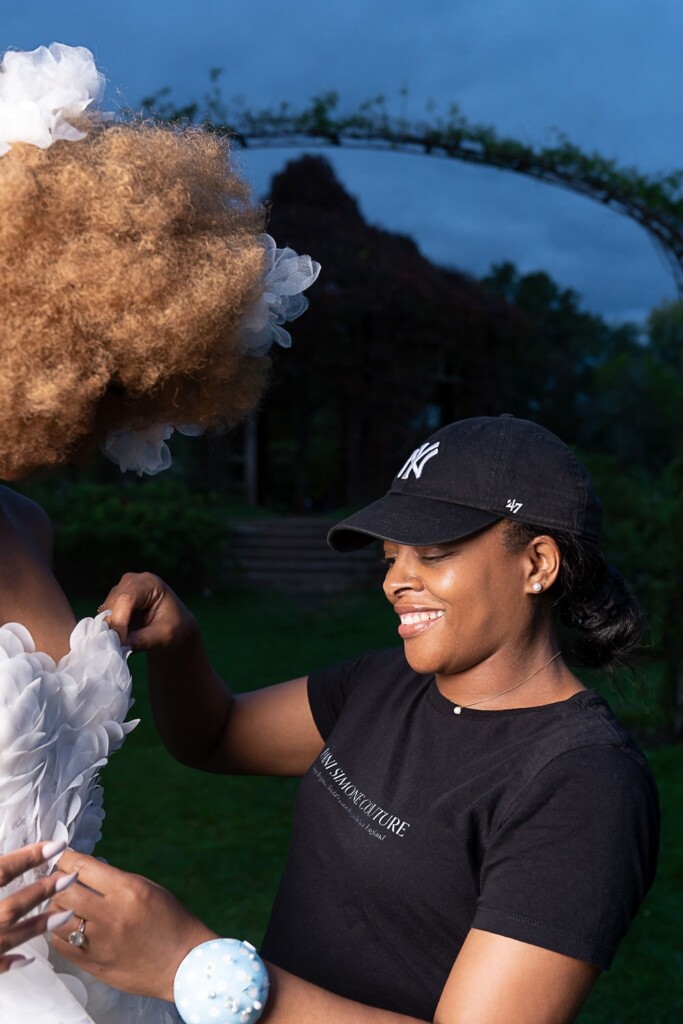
459, 603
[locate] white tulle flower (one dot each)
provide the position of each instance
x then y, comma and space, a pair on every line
40, 89
143, 451
287, 276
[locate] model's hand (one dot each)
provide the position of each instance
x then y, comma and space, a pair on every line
136, 933
147, 614
15, 927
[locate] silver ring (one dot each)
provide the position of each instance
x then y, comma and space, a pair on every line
77, 938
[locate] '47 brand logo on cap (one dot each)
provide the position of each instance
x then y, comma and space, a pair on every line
418, 460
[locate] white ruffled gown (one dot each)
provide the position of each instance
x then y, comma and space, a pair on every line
58, 725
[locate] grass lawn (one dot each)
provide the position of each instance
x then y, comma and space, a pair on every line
219, 843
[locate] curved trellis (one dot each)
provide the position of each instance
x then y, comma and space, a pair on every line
653, 201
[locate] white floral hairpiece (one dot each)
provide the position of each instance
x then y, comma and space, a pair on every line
287, 276
39, 90
144, 451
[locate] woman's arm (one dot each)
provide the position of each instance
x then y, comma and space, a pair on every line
267, 732
495, 980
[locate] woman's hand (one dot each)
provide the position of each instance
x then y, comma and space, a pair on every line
15, 927
136, 933
147, 614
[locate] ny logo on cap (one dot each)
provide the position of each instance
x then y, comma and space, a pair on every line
417, 461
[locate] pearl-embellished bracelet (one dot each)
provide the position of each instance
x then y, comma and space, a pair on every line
222, 981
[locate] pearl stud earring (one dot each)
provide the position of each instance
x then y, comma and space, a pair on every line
537, 588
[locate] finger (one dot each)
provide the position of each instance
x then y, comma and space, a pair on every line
10, 963
148, 638
121, 607
16, 863
84, 902
14, 907
32, 926
92, 873
135, 593
159, 628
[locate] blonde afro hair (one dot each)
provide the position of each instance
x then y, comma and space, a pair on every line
127, 261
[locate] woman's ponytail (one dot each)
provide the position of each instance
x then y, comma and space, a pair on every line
591, 597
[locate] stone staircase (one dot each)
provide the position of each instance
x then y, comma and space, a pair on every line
290, 554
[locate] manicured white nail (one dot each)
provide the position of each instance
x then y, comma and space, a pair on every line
53, 848
55, 921
20, 961
65, 881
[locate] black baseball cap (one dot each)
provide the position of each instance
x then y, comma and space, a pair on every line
469, 475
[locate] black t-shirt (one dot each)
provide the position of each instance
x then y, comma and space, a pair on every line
415, 825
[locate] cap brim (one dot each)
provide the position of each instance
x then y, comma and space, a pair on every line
408, 519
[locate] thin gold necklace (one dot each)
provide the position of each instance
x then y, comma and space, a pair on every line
458, 709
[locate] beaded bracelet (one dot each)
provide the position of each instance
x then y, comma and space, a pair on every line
222, 981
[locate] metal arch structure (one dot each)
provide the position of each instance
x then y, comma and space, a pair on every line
655, 202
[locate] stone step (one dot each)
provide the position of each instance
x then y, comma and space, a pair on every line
291, 554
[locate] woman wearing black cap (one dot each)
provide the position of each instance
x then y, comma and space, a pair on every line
474, 830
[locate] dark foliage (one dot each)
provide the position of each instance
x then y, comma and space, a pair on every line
159, 525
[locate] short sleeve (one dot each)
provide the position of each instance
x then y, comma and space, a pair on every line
329, 689
574, 857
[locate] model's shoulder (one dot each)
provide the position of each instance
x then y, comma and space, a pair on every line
22, 516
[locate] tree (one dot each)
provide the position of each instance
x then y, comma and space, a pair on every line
634, 436
665, 335
564, 347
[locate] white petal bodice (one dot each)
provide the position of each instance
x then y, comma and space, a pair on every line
59, 723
